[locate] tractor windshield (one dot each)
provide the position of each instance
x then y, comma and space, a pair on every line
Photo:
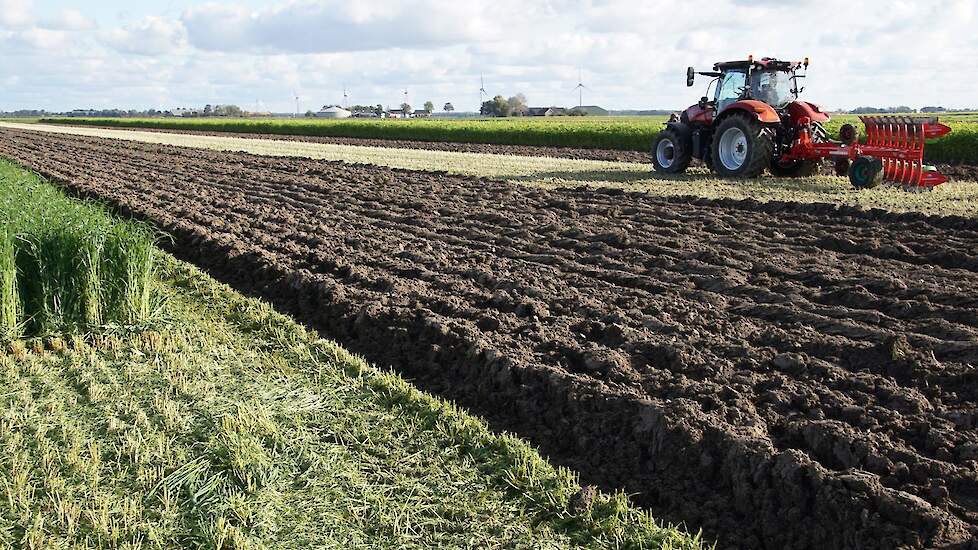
772, 87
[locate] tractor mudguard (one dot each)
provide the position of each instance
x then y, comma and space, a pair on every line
758, 109
702, 115
801, 109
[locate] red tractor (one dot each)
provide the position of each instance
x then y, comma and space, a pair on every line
755, 122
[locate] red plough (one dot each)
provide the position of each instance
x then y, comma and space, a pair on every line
893, 152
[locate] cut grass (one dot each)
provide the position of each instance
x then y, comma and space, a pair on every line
955, 198
65, 267
234, 427
624, 133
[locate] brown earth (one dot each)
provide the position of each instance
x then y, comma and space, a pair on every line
613, 155
780, 375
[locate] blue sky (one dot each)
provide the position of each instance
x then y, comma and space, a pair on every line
60, 54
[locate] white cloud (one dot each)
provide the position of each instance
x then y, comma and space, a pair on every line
153, 35
16, 14
338, 25
69, 19
41, 39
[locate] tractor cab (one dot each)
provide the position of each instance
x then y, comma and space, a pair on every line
770, 81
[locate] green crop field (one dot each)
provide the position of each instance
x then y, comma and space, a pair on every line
624, 133
227, 425
65, 267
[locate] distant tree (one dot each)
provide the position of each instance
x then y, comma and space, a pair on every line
448, 108
933, 109
429, 106
577, 111
497, 106
232, 110
406, 108
878, 110
208, 110
379, 109
309, 113
517, 105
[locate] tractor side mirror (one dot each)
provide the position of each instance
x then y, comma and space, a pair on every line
690, 76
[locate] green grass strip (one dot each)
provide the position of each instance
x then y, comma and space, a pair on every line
65, 267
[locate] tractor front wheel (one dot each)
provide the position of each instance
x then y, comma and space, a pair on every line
671, 153
742, 147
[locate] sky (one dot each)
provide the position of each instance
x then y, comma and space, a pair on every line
630, 54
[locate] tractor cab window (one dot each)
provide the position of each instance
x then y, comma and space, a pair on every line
731, 88
771, 87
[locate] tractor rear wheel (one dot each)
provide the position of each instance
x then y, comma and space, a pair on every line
796, 169
742, 147
671, 153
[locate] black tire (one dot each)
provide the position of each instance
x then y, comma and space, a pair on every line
848, 134
750, 151
796, 169
672, 151
866, 173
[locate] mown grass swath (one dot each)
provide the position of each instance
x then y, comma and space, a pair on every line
624, 133
64, 266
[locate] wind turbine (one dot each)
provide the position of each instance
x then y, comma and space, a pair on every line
580, 88
344, 97
296, 96
482, 91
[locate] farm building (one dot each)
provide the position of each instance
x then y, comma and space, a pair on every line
333, 112
421, 113
545, 111
398, 113
593, 110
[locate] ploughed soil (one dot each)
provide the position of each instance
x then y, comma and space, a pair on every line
779, 375
613, 155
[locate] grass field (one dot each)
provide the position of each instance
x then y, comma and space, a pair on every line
626, 133
955, 198
230, 426
67, 267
